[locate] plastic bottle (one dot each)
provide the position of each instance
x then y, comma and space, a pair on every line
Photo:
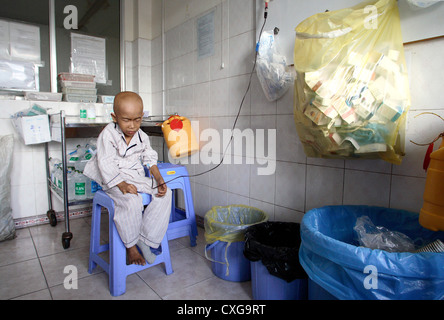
71, 186
54, 163
91, 112
79, 186
107, 110
82, 112
59, 178
74, 157
91, 188
432, 212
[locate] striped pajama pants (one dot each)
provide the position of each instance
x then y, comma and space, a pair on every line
134, 223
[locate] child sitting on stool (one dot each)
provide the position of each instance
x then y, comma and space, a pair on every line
122, 151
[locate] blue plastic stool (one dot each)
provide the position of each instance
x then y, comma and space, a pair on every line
117, 268
185, 226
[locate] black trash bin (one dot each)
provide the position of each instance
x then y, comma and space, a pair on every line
273, 249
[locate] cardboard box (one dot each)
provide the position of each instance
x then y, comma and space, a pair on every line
33, 129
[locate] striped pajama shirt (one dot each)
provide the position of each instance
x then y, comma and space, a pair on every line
117, 161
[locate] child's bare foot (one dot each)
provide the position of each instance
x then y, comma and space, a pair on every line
134, 256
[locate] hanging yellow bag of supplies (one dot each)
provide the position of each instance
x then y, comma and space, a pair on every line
351, 91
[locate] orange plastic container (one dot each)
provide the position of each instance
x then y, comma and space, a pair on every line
179, 136
432, 212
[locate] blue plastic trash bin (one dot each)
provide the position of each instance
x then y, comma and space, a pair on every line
334, 261
225, 233
268, 287
228, 262
276, 274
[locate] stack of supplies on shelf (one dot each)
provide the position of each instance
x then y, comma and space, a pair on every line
78, 87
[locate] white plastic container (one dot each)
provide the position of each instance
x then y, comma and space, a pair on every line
79, 98
43, 96
67, 76
80, 91
77, 84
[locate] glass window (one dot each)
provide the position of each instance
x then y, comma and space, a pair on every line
24, 43
93, 27
95, 46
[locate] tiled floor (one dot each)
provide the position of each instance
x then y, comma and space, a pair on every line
32, 267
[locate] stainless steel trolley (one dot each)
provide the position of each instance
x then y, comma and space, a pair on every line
76, 129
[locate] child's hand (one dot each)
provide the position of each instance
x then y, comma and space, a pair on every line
161, 190
127, 188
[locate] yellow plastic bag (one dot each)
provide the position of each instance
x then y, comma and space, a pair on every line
228, 223
351, 91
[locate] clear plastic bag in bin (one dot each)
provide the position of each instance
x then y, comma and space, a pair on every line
379, 237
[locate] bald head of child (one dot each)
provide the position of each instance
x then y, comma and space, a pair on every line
128, 113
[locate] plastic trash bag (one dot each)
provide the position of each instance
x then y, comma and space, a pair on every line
332, 258
378, 237
229, 223
7, 227
351, 89
277, 245
274, 75
421, 4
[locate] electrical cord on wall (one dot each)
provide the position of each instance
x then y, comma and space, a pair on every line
238, 113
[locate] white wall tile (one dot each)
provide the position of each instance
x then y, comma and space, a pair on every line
425, 82
407, 193
39, 166
374, 165
202, 99
241, 16
237, 88
201, 197
201, 69
287, 215
23, 202
41, 198
187, 101
337, 163
236, 199
238, 174
144, 52
242, 53
366, 188
262, 187
219, 97
145, 77
218, 197
22, 169
220, 60
268, 208
288, 144
172, 43
290, 185
219, 176
186, 37
156, 78
129, 54
221, 22
156, 51
324, 186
